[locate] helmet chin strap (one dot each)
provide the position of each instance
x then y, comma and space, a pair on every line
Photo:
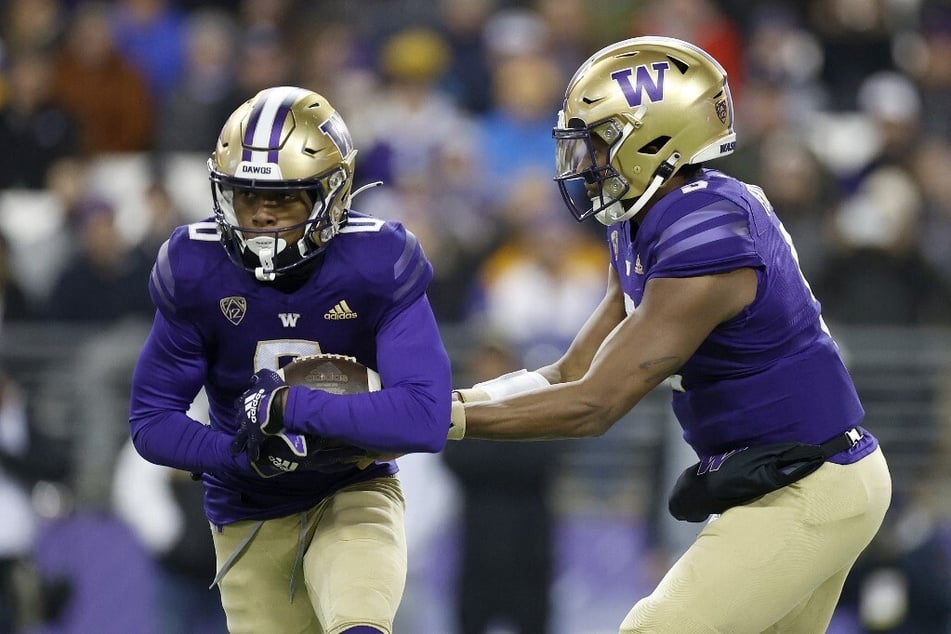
263, 276
266, 248
615, 212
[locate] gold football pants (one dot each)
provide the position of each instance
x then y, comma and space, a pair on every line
776, 564
346, 557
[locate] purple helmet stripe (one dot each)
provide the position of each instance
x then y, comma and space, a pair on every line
267, 118
248, 141
278, 125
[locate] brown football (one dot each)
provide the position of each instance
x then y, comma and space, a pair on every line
334, 373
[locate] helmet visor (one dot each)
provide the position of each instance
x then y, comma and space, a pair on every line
585, 176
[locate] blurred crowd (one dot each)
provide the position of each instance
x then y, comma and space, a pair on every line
109, 110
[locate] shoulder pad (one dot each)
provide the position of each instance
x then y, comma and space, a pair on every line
181, 263
389, 254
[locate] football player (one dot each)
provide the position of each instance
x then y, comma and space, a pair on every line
309, 543
705, 292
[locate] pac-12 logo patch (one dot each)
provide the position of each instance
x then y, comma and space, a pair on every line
234, 308
722, 110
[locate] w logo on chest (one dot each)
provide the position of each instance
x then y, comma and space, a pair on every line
649, 81
289, 320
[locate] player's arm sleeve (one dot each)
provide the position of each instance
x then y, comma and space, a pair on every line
168, 375
411, 412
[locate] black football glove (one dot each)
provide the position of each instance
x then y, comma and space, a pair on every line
281, 453
330, 456
260, 414
286, 452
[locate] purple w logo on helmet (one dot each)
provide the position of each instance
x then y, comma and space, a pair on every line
643, 82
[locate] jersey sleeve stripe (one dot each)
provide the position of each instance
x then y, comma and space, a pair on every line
736, 230
694, 219
161, 278
159, 292
411, 282
410, 247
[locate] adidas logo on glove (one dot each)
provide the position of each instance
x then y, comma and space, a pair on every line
251, 405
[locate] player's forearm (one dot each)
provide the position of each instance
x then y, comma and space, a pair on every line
557, 412
174, 440
400, 419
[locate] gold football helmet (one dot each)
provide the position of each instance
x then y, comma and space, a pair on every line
284, 138
634, 113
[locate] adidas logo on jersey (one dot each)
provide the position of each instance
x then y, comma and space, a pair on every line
341, 311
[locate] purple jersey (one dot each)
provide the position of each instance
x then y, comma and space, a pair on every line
216, 325
773, 372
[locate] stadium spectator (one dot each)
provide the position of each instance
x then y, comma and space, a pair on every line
508, 519
150, 35
932, 164
18, 530
702, 23
335, 58
205, 94
857, 40
421, 145
30, 121
263, 59
163, 506
875, 273
932, 69
103, 282
32, 25
514, 135
29, 599
106, 95
103, 286
15, 304
545, 277
409, 130
468, 78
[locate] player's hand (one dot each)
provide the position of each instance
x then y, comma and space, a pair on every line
330, 456
287, 452
260, 413
281, 453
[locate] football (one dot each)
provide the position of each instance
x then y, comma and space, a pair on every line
334, 373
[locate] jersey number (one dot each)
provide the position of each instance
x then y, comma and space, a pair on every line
276, 353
